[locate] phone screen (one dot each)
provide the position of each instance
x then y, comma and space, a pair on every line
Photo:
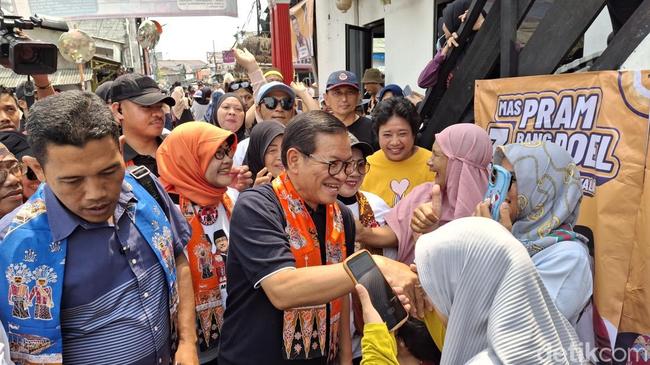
366, 273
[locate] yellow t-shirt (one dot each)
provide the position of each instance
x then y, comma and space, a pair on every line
378, 346
392, 181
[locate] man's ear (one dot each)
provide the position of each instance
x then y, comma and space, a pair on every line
22, 104
116, 108
33, 164
293, 158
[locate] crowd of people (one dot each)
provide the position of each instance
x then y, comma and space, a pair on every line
144, 226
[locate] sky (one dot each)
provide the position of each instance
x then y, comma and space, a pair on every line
189, 38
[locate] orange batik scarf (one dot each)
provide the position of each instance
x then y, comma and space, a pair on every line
305, 329
208, 275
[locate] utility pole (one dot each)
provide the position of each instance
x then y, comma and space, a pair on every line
214, 59
259, 10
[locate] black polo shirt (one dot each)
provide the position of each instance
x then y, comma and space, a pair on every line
252, 329
131, 155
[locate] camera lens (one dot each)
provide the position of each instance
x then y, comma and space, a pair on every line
26, 55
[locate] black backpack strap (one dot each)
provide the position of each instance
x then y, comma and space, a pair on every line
143, 176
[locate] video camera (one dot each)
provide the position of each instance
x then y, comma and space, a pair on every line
24, 56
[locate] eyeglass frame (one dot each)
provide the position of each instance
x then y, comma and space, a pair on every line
347, 167
285, 103
223, 152
17, 169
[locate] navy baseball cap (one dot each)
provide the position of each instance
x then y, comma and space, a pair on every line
342, 78
140, 89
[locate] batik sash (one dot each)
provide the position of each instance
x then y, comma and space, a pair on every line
305, 329
31, 259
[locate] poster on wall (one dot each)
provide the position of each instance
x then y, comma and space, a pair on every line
601, 118
93, 9
301, 17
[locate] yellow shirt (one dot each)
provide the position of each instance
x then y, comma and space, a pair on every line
391, 180
378, 346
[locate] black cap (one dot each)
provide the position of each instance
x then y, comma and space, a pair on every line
16, 143
104, 91
140, 89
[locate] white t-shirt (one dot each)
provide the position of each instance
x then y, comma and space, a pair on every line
240, 153
379, 208
216, 227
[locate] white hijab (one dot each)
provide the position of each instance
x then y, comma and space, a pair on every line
482, 279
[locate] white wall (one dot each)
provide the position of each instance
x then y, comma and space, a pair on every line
409, 40
330, 29
408, 32
596, 35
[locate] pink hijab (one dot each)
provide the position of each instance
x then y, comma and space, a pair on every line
469, 150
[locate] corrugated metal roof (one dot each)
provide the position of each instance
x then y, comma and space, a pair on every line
61, 77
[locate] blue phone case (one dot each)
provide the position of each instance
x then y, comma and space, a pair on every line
498, 185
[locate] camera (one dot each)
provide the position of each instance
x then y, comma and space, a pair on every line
24, 56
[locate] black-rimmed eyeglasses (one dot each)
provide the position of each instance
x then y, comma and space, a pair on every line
223, 151
336, 166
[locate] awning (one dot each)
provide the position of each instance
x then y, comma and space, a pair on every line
61, 77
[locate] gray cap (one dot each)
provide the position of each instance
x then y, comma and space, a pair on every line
365, 148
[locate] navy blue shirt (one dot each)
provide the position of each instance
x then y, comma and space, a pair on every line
252, 329
114, 306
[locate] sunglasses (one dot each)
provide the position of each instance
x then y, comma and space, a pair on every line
272, 103
239, 85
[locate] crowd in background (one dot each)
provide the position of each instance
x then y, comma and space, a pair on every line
210, 226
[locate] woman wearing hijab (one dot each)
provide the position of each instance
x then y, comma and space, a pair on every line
181, 110
214, 99
195, 163
484, 286
459, 158
541, 210
263, 155
229, 114
391, 91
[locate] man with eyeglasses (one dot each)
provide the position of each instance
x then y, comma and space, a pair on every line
274, 101
11, 173
342, 96
288, 240
138, 107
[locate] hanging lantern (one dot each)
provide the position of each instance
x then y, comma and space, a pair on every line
149, 34
77, 46
344, 5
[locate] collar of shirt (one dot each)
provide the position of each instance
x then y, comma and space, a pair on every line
63, 222
129, 153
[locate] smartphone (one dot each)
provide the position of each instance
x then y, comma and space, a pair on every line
363, 270
497, 191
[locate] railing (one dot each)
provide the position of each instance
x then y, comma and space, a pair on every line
494, 44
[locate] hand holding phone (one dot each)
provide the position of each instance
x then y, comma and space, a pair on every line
363, 270
497, 191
